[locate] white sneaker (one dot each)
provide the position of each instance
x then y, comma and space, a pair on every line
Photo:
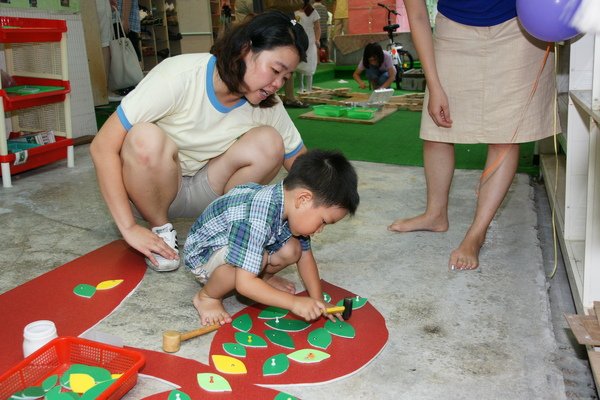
169, 235
114, 97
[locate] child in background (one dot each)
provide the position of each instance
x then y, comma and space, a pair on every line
323, 24
378, 66
309, 19
248, 235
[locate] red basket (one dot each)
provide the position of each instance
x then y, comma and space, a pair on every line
58, 355
23, 30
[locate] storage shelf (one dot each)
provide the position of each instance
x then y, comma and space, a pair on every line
572, 181
46, 105
24, 30
16, 101
583, 98
38, 156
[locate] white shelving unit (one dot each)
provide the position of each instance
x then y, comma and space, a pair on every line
36, 58
154, 37
577, 198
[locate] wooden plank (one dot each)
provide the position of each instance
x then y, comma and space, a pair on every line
594, 357
585, 328
379, 115
597, 311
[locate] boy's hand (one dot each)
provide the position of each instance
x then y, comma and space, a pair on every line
332, 316
307, 308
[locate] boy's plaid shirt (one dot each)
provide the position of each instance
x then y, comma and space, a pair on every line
249, 220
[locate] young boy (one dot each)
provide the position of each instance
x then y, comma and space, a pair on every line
246, 236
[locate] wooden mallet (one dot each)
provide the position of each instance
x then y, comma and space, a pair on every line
346, 309
172, 339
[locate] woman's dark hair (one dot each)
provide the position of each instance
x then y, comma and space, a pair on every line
264, 31
372, 50
329, 176
307, 8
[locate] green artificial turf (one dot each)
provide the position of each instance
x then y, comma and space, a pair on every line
392, 140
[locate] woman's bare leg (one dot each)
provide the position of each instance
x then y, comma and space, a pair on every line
256, 157
438, 160
151, 171
491, 195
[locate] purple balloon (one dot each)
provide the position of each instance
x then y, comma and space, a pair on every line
548, 20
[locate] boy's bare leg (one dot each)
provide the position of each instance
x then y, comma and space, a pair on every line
438, 159
289, 254
491, 195
209, 300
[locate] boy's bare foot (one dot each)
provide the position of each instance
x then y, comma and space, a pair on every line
210, 310
420, 223
281, 284
466, 256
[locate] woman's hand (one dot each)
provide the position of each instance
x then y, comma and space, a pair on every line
147, 242
439, 109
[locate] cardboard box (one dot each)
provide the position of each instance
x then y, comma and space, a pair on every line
41, 137
413, 79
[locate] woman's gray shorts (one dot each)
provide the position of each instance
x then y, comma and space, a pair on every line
194, 195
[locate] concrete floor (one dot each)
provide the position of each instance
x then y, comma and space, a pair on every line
496, 333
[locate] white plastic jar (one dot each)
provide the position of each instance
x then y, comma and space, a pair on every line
37, 334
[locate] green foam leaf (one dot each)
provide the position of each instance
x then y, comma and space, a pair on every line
234, 349
320, 338
308, 356
357, 302
178, 395
84, 290
250, 339
289, 325
276, 365
340, 328
213, 382
242, 323
280, 338
272, 313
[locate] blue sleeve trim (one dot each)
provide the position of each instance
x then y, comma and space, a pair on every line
121, 114
295, 151
210, 89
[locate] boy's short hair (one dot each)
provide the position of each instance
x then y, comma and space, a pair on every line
328, 175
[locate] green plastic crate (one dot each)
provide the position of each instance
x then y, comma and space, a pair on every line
327, 110
361, 113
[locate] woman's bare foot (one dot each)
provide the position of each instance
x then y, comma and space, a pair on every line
421, 222
210, 310
281, 283
466, 256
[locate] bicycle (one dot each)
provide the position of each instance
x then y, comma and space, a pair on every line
403, 60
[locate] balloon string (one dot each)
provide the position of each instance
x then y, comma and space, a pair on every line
555, 188
493, 167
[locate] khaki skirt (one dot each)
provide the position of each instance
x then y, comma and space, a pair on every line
488, 74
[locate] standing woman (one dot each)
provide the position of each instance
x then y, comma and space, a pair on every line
310, 20
476, 94
196, 126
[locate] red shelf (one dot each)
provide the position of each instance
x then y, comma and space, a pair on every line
24, 30
16, 102
38, 156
